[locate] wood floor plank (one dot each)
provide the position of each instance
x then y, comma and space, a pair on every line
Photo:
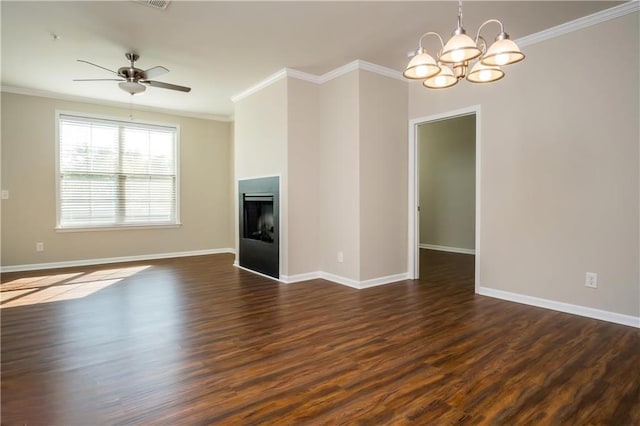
195, 341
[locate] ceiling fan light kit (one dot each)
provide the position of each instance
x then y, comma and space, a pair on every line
135, 80
454, 58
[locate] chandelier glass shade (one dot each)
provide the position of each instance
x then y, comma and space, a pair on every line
454, 58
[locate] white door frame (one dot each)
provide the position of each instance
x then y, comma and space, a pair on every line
414, 188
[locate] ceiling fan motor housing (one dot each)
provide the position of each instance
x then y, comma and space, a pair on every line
131, 73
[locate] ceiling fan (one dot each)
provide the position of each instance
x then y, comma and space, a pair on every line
133, 80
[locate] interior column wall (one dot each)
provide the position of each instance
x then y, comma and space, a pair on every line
260, 148
339, 184
303, 171
383, 171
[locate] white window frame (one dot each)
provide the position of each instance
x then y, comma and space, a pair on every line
89, 116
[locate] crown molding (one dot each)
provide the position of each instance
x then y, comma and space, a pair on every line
337, 72
261, 85
73, 98
577, 24
319, 79
580, 23
300, 75
379, 69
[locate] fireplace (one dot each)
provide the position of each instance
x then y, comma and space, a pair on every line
258, 217
259, 231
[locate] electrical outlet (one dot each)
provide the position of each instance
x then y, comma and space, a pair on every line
340, 257
4, 194
39, 246
591, 280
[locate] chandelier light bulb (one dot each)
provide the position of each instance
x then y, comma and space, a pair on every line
457, 55
422, 71
484, 75
444, 78
481, 73
502, 59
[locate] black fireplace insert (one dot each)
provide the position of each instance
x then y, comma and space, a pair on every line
258, 217
259, 233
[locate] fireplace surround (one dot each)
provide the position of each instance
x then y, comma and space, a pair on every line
259, 225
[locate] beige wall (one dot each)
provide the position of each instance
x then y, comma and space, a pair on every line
339, 176
559, 167
260, 149
303, 192
383, 176
447, 169
338, 146
28, 172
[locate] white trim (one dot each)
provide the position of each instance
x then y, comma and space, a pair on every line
414, 180
374, 282
255, 272
360, 65
413, 198
118, 228
74, 98
257, 177
583, 311
300, 75
340, 280
580, 23
379, 69
279, 75
338, 72
447, 249
359, 285
319, 79
300, 277
87, 262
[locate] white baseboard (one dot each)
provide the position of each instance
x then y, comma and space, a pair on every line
237, 265
354, 283
290, 279
87, 262
340, 280
383, 280
562, 307
449, 249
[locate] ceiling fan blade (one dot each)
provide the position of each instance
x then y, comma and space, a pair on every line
166, 85
98, 79
96, 65
154, 72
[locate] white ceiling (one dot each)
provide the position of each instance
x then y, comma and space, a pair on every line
222, 48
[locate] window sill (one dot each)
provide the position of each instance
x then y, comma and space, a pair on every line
118, 228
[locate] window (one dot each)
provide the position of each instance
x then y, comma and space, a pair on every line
115, 173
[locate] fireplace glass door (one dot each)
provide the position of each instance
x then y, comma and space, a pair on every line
258, 217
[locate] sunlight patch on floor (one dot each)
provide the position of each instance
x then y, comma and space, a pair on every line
58, 287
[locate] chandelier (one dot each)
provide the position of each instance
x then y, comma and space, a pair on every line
455, 56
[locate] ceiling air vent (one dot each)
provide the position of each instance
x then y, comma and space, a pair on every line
156, 4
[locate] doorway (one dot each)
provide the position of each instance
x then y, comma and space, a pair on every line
451, 226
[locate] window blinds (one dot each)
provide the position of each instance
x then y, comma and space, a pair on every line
114, 173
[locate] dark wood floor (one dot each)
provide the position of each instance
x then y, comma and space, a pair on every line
195, 341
